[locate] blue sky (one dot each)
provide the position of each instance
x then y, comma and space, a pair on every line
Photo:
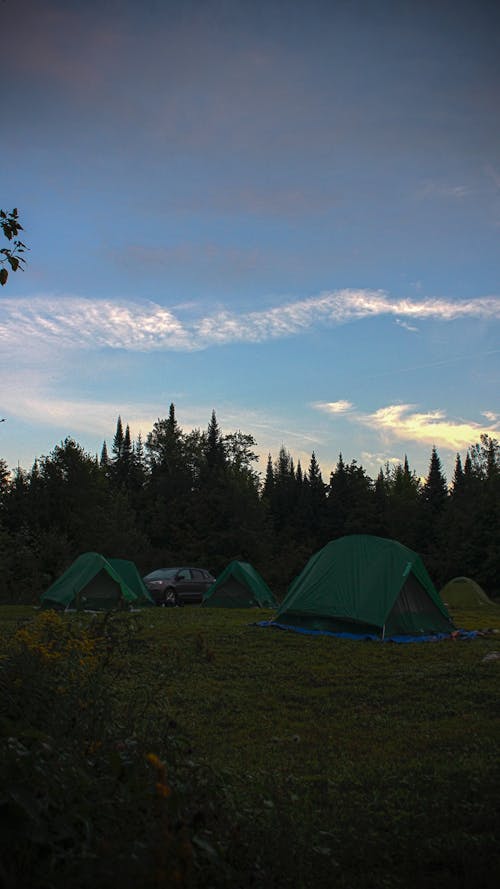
288, 212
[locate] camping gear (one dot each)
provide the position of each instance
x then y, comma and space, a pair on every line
365, 584
240, 586
95, 583
463, 592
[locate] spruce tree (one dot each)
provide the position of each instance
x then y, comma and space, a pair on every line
104, 461
458, 476
215, 454
268, 486
403, 506
434, 497
435, 489
164, 444
118, 440
312, 504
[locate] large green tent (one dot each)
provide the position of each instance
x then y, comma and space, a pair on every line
464, 592
240, 586
95, 583
365, 584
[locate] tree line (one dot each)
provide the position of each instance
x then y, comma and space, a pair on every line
197, 498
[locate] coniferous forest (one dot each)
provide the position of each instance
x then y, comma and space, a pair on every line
197, 498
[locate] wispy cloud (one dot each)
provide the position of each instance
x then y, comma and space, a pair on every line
334, 407
379, 459
431, 189
73, 322
406, 423
406, 326
491, 416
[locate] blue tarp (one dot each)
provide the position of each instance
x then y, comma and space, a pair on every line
368, 637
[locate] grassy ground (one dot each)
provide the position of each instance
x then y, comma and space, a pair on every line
302, 761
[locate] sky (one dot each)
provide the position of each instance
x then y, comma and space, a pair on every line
286, 212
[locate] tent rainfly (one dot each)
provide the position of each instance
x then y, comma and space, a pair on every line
95, 583
365, 584
464, 592
240, 586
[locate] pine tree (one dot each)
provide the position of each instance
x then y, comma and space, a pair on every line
434, 497
403, 506
118, 440
435, 490
299, 475
104, 461
268, 486
312, 504
380, 500
138, 462
215, 453
458, 476
4, 478
164, 444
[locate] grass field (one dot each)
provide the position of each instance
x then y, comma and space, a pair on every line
190, 747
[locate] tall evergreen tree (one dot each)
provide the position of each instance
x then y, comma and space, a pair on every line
434, 496
4, 478
215, 452
118, 440
351, 507
284, 493
299, 475
458, 475
164, 444
435, 489
312, 504
403, 506
104, 460
268, 486
380, 500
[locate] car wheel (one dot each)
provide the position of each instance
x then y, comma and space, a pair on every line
170, 597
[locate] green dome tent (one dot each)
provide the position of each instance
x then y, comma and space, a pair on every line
463, 592
95, 583
239, 586
365, 584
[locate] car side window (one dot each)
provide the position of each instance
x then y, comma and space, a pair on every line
197, 574
184, 574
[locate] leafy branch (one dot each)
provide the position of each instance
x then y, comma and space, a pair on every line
9, 222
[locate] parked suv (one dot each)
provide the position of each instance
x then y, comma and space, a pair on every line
178, 586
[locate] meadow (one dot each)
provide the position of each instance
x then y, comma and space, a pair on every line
190, 747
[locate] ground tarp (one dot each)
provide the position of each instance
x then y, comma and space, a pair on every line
240, 586
95, 583
370, 637
369, 585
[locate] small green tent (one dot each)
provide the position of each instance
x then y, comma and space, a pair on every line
240, 586
464, 592
95, 583
365, 584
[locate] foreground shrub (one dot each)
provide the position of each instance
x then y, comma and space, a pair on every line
85, 798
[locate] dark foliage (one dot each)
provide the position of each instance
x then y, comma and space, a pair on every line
197, 497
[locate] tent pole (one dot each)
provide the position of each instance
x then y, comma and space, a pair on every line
383, 633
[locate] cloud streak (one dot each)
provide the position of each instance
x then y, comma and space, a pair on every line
404, 422
73, 322
334, 407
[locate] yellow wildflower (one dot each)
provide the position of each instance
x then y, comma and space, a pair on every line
155, 761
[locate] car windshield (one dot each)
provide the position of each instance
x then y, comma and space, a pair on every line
162, 574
